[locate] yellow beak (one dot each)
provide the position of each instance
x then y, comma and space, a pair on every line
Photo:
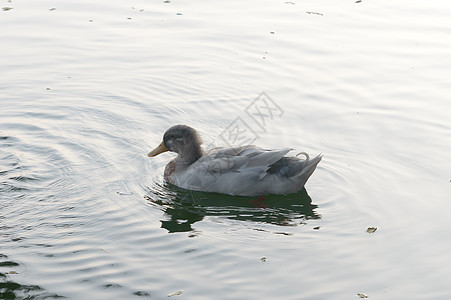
160, 149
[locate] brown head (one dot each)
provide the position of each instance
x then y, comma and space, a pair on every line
183, 140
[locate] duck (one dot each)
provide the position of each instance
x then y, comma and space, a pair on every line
241, 170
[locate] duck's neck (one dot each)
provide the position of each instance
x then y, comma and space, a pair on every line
190, 154
197, 153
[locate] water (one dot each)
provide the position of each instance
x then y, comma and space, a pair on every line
88, 89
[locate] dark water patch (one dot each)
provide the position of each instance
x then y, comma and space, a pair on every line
141, 294
5, 187
111, 285
8, 140
23, 178
8, 264
13, 290
10, 289
44, 245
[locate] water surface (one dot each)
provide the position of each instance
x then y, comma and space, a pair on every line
88, 89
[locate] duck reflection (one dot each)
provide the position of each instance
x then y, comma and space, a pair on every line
183, 208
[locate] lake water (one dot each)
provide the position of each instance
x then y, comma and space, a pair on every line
88, 88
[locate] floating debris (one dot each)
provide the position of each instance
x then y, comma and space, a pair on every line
48, 89
124, 193
361, 295
179, 14
272, 32
141, 294
289, 2
175, 293
7, 8
167, 1
263, 259
371, 229
12, 272
314, 13
317, 227
105, 250
52, 9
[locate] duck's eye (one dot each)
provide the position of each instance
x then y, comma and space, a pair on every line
172, 138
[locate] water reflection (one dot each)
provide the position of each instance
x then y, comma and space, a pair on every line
10, 289
183, 208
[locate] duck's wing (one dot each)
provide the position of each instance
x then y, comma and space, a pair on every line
246, 159
220, 152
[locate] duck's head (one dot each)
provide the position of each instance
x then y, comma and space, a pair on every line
183, 140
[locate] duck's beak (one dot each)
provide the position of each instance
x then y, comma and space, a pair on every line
160, 149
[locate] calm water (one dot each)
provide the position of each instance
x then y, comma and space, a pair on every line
88, 88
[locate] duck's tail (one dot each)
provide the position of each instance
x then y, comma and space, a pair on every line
308, 166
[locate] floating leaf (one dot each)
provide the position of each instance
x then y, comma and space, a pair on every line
371, 229
314, 13
362, 295
12, 272
7, 8
175, 293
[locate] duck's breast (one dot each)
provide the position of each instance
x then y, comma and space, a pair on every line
169, 171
